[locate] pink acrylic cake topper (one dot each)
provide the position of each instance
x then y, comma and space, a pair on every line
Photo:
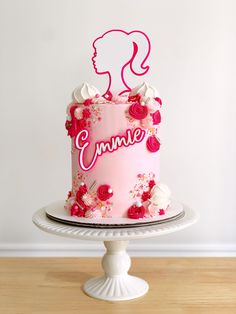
114, 51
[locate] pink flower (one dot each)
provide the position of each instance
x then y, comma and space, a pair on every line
138, 111
104, 192
153, 144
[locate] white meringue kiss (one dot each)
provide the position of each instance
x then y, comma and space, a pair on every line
160, 196
145, 90
148, 94
86, 91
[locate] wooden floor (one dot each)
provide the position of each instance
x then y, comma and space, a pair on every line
177, 285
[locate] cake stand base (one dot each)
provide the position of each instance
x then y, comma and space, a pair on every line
116, 284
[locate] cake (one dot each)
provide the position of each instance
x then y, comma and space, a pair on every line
115, 138
115, 154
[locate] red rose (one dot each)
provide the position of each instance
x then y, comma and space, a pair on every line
156, 117
86, 113
151, 184
88, 102
138, 111
135, 212
145, 196
153, 144
104, 192
161, 212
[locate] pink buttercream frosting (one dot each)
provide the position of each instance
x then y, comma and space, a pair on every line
108, 153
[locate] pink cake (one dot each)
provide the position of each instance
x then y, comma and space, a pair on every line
115, 154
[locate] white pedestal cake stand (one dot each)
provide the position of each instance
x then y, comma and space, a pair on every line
116, 284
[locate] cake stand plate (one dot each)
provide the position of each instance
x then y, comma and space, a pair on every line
57, 212
116, 284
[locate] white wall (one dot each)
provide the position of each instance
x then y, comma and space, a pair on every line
44, 54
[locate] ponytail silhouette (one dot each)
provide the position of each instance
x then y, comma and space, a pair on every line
114, 51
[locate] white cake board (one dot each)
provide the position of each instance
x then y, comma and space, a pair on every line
116, 284
56, 211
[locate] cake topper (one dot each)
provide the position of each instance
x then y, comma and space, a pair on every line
117, 49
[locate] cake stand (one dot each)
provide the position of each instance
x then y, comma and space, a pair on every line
115, 284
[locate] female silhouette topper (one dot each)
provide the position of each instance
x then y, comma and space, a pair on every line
114, 51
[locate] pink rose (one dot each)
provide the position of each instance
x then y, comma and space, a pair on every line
153, 144
104, 192
138, 111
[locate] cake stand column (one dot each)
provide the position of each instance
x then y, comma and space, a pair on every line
116, 284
